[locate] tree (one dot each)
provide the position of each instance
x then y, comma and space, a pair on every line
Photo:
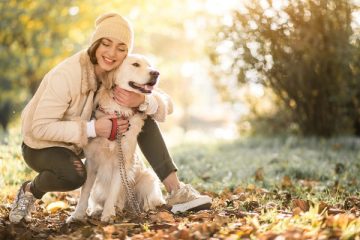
31, 41
306, 52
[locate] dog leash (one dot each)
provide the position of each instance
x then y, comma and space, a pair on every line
134, 203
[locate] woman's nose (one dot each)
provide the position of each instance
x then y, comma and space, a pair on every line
112, 52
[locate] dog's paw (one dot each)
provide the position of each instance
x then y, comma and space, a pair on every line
94, 212
76, 218
108, 218
108, 213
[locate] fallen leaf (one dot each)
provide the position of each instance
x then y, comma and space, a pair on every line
351, 202
335, 211
250, 187
323, 206
259, 174
56, 206
162, 217
296, 211
200, 216
183, 234
302, 204
251, 205
286, 182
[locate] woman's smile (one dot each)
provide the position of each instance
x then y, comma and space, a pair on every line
108, 60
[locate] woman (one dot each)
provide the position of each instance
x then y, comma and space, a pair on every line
56, 123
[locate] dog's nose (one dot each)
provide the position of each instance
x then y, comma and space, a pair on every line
153, 77
154, 74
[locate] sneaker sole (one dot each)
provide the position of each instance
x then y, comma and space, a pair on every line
194, 205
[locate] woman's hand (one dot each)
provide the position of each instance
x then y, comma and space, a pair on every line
103, 125
128, 98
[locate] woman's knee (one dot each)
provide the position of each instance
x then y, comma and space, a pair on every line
76, 181
78, 176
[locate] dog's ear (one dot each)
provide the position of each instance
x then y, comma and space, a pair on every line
108, 80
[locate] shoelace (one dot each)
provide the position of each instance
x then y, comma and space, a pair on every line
190, 190
187, 190
22, 203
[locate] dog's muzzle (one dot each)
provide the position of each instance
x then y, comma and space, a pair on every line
147, 87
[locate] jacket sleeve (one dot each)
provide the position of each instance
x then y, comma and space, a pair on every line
48, 122
165, 105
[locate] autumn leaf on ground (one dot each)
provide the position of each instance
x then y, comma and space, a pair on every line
161, 217
286, 182
259, 174
302, 204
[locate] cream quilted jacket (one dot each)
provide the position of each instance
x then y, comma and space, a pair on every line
58, 112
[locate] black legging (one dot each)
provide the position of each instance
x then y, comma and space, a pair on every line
62, 170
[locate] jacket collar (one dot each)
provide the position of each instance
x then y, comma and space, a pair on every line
88, 78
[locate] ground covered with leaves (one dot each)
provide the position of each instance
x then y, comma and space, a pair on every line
241, 213
279, 188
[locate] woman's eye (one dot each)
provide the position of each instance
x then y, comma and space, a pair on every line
105, 44
121, 49
136, 65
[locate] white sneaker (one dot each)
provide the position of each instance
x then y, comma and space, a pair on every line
22, 205
186, 198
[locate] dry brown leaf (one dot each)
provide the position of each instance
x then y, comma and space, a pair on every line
259, 174
112, 231
239, 190
352, 202
323, 206
296, 211
250, 187
286, 182
183, 234
242, 196
335, 211
202, 215
302, 204
251, 205
162, 217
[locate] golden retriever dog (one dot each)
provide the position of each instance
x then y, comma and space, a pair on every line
104, 189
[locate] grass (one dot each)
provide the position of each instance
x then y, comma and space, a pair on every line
216, 166
326, 163
13, 170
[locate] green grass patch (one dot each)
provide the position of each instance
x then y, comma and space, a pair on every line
330, 163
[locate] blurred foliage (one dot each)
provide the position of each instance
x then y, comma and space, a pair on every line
306, 52
31, 41
267, 115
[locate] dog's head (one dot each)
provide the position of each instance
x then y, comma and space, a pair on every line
136, 74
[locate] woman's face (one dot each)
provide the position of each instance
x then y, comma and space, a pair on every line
110, 54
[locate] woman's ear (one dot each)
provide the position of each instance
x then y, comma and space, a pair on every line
108, 80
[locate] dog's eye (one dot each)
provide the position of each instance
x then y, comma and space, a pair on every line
136, 65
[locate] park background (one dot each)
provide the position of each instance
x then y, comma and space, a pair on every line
266, 93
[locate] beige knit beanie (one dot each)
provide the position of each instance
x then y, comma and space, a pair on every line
116, 26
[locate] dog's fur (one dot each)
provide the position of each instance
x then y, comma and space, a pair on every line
103, 189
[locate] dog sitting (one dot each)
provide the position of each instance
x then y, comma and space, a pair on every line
104, 189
